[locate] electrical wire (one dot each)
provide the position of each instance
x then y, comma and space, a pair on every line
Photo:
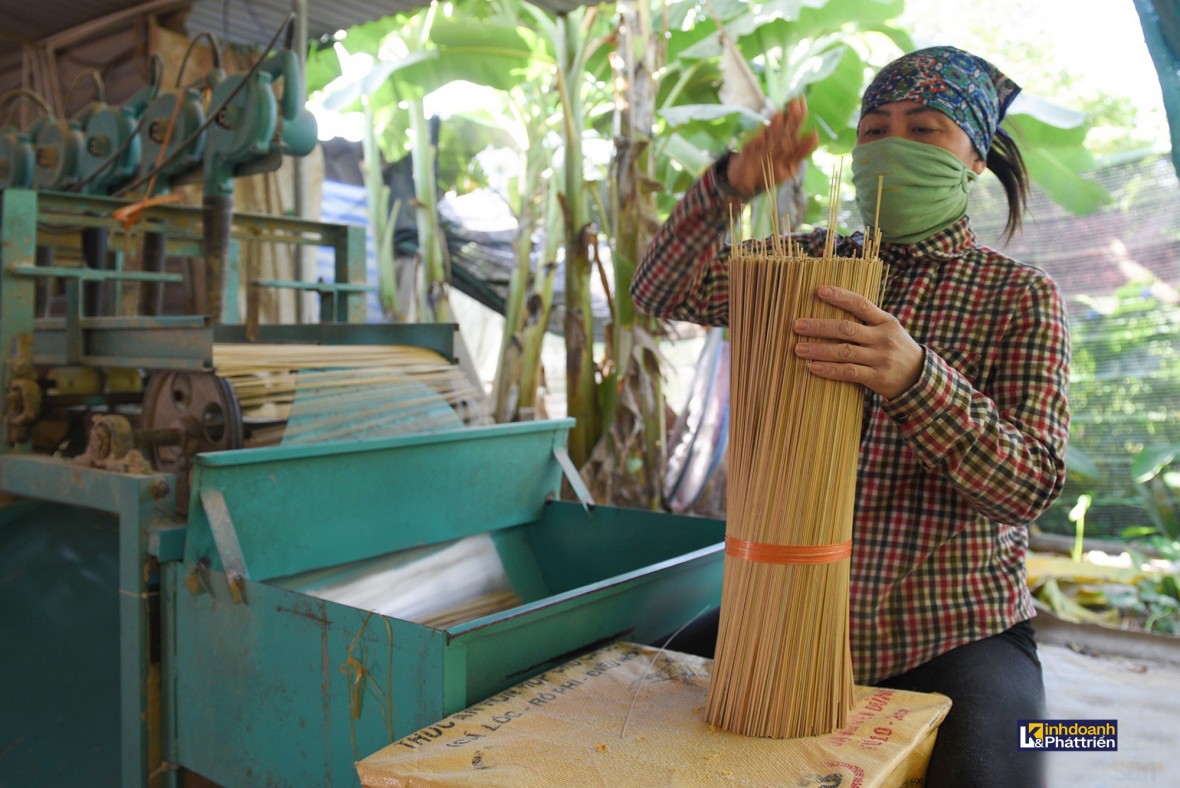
214, 45
212, 114
100, 88
157, 80
25, 93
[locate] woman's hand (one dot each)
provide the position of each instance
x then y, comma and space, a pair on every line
877, 352
779, 145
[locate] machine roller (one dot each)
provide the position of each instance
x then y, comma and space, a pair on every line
267, 395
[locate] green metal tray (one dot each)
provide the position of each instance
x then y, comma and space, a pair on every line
285, 687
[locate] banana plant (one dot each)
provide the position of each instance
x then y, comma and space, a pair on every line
533, 115
414, 54
730, 70
627, 465
823, 50
571, 60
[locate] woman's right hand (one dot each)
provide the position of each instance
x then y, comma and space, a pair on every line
781, 144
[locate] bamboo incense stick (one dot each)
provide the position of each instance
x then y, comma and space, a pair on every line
783, 665
342, 391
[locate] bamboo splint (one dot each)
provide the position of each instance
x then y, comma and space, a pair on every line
783, 665
306, 393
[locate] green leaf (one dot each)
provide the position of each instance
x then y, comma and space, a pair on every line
901, 38
722, 121
1035, 131
727, 9
1078, 463
367, 37
706, 48
680, 40
1151, 460
345, 95
692, 158
834, 14
832, 100
816, 181
483, 53
817, 66
1062, 182
756, 37
1047, 113
678, 11
323, 66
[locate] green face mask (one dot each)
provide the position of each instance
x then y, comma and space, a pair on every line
924, 189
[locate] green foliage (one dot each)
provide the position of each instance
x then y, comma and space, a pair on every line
707, 122
1153, 604
794, 47
1159, 605
1125, 431
555, 76
458, 138
415, 57
834, 99
1077, 515
1054, 151
323, 66
813, 47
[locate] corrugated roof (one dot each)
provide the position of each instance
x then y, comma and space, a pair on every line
239, 21
31, 22
64, 28
254, 21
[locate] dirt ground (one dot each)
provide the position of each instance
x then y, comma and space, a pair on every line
1143, 694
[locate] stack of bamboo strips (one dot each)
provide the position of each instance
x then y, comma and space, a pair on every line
783, 666
483, 605
313, 393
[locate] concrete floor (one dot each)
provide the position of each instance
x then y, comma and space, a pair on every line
1142, 693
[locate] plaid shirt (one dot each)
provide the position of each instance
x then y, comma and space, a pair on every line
953, 470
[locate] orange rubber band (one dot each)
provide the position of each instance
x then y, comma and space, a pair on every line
763, 553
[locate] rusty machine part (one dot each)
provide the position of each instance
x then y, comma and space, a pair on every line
185, 414
21, 408
110, 445
110, 437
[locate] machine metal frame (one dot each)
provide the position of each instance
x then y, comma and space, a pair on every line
227, 666
177, 342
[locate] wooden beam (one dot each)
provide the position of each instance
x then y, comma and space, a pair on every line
86, 30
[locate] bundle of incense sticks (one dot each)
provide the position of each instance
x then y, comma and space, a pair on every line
315, 393
783, 667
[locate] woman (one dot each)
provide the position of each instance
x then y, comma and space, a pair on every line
966, 365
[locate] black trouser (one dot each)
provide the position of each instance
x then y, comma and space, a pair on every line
992, 683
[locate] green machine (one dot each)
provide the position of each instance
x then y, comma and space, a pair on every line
269, 616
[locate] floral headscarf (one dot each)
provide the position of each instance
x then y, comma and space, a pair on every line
966, 88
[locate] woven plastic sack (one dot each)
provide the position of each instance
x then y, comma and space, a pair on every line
629, 715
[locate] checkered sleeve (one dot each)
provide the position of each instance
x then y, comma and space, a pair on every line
1004, 450
683, 274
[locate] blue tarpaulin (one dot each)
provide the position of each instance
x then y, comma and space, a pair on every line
1161, 31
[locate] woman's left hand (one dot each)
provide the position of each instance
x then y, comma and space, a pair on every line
876, 352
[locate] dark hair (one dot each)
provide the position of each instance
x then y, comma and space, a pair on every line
1005, 161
